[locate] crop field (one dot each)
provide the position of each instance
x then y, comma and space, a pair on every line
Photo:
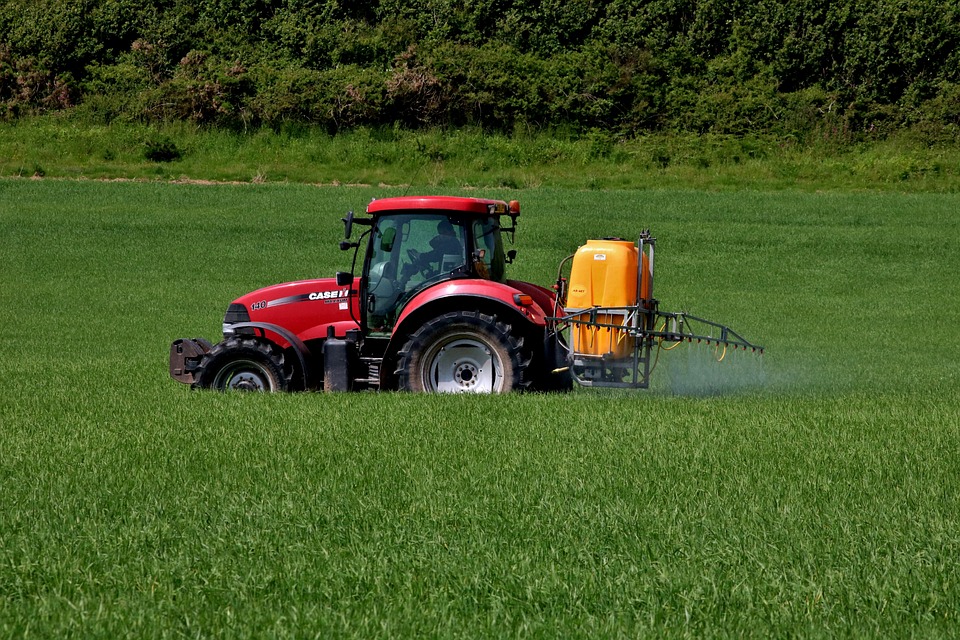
813, 492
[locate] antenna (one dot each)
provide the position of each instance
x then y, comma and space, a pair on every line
410, 184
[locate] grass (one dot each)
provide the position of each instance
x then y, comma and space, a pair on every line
822, 503
68, 146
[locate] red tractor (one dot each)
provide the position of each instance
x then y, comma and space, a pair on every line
434, 311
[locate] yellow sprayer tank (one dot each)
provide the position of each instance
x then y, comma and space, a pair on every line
604, 274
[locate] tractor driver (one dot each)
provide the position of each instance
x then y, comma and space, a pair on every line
444, 247
445, 243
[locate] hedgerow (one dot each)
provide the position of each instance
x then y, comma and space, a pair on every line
843, 69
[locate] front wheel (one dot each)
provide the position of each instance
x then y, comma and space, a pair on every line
243, 364
463, 352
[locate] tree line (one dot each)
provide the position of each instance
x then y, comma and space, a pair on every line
844, 68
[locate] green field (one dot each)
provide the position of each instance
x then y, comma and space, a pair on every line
823, 501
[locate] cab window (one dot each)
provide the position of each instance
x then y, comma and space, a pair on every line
489, 261
409, 252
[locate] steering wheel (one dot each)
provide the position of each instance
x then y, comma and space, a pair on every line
419, 263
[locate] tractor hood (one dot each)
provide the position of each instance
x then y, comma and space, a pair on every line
304, 307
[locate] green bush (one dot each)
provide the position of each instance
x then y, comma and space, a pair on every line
28, 87
204, 89
336, 99
845, 69
160, 148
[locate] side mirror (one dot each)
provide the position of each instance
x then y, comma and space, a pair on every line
512, 229
348, 225
344, 279
386, 241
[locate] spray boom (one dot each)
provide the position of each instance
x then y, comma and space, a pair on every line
609, 322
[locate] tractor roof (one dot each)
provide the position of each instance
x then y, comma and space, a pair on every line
478, 206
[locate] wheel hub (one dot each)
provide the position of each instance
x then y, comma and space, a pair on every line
247, 382
463, 365
465, 374
243, 375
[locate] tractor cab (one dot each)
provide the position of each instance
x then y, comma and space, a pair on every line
417, 242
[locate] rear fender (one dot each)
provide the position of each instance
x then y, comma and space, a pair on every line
502, 293
543, 297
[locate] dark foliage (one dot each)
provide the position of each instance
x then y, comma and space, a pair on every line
159, 148
845, 69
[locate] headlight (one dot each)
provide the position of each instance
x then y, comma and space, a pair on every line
235, 313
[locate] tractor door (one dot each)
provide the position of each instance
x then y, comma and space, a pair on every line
489, 260
408, 253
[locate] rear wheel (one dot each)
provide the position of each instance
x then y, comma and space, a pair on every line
463, 352
243, 364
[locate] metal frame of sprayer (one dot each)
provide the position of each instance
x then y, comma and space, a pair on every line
632, 333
